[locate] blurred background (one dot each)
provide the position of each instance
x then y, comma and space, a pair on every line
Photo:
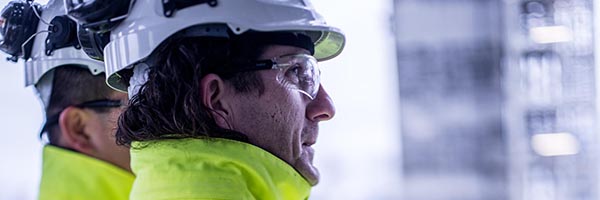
436, 100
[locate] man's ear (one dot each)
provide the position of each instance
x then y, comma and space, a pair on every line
72, 122
213, 98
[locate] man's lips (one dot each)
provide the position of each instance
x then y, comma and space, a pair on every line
309, 142
309, 136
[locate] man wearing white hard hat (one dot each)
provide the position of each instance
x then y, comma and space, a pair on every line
225, 95
81, 159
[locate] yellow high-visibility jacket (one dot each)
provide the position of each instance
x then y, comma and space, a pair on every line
211, 169
68, 175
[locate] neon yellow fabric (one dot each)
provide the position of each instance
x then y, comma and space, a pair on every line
211, 169
68, 175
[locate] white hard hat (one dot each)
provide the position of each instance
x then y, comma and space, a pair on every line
150, 22
39, 67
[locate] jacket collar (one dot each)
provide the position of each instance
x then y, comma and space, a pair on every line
67, 174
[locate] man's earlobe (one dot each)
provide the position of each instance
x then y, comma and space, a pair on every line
72, 122
213, 97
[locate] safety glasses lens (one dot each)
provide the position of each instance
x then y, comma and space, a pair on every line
301, 72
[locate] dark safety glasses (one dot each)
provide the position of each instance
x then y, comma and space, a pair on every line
95, 104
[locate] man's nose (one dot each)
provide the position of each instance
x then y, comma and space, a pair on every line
321, 108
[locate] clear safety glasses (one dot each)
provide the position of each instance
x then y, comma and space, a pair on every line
297, 71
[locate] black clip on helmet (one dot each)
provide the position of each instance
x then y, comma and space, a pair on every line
62, 33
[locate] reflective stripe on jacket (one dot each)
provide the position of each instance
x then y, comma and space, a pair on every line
70, 175
211, 169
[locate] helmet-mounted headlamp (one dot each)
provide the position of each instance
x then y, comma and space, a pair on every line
98, 15
92, 43
18, 24
95, 19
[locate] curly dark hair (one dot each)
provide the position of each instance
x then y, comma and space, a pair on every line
169, 104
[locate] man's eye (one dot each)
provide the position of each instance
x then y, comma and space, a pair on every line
296, 69
293, 73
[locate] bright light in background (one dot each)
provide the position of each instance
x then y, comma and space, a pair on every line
550, 34
555, 144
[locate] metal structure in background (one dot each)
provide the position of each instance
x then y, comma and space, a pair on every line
498, 99
449, 55
551, 98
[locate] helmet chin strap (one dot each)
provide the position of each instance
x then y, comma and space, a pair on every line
140, 76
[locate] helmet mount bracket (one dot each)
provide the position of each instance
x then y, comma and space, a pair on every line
170, 6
